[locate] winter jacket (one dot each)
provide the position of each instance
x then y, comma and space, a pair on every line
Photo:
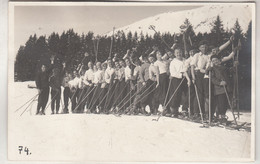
220, 73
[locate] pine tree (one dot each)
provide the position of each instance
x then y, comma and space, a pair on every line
217, 32
237, 30
53, 42
129, 40
20, 65
187, 35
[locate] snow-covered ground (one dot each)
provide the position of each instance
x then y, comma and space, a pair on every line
90, 137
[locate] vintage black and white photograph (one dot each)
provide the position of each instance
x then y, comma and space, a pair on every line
131, 82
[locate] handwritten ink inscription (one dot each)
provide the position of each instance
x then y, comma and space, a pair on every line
24, 150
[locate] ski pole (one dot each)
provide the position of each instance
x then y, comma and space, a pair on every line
144, 92
85, 96
174, 93
119, 95
111, 45
103, 98
167, 92
95, 100
27, 102
190, 41
189, 102
51, 101
125, 97
137, 92
90, 103
232, 110
28, 106
197, 96
142, 97
88, 91
170, 99
151, 27
97, 49
239, 45
209, 97
109, 88
72, 96
116, 84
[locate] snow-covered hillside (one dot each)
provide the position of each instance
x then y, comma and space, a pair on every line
92, 137
201, 18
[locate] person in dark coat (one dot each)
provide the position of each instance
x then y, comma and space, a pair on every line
42, 84
220, 80
55, 84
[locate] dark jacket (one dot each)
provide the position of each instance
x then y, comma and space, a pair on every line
220, 73
55, 82
42, 78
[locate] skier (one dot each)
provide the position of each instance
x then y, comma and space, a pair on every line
74, 85
109, 78
220, 80
97, 80
191, 97
55, 84
154, 76
177, 71
103, 90
130, 87
88, 81
42, 84
66, 91
134, 108
163, 67
146, 82
198, 67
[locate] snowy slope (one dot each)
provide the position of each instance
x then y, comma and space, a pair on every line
91, 137
201, 18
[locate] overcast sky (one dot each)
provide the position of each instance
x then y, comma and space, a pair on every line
43, 20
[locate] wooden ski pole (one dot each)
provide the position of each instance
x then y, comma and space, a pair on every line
27, 102
169, 99
209, 97
237, 86
147, 89
97, 49
197, 96
190, 41
131, 96
232, 110
51, 101
125, 96
28, 106
143, 93
118, 96
72, 97
167, 92
111, 45
164, 108
151, 27
189, 102
184, 42
90, 103
174, 92
83, 99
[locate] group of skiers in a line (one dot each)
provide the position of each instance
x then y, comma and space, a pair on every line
128, 85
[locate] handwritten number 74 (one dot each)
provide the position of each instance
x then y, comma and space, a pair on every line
25, 149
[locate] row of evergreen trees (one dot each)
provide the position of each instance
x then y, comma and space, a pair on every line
71, 46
